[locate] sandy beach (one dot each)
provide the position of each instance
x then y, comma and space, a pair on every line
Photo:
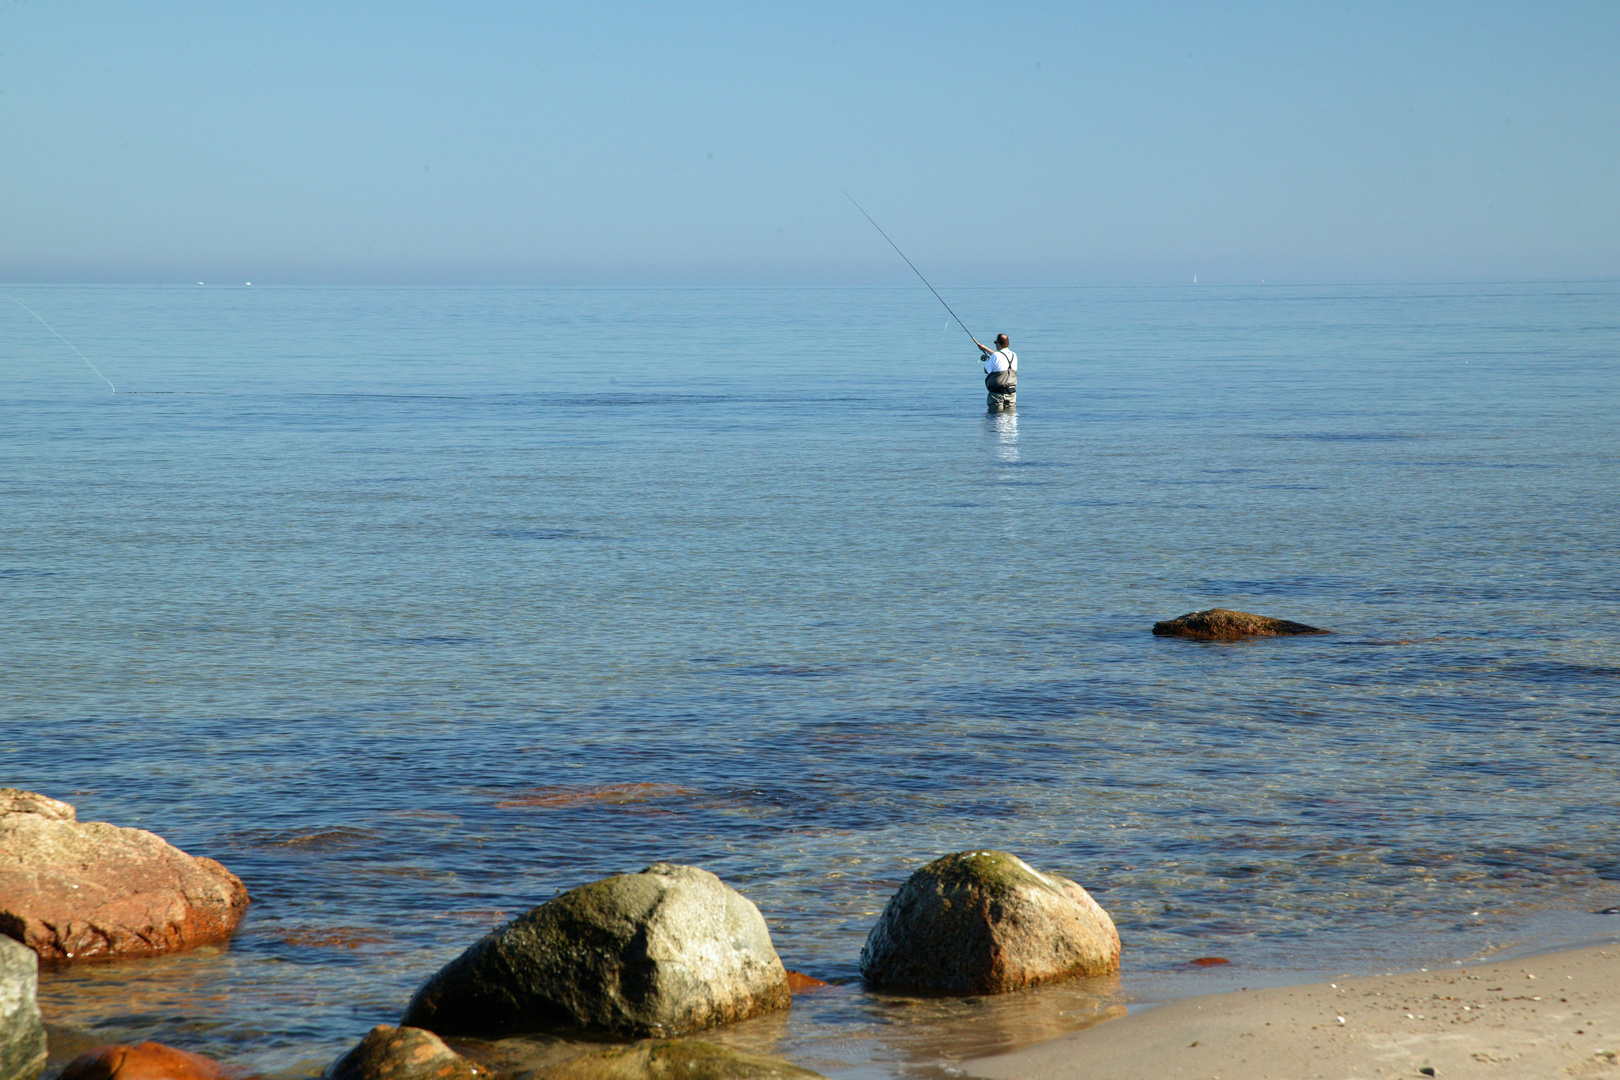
1556, 1015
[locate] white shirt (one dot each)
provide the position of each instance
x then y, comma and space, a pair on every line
1000, 360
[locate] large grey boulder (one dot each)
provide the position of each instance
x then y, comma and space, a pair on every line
22, 1033
666, 951
985, 922
1224, 624
76, 890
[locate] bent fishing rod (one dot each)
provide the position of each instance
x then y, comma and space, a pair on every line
914, 269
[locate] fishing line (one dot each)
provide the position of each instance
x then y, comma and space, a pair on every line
62, 339
939, 348
913, 266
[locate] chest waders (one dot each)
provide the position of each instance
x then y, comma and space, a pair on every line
1002, 387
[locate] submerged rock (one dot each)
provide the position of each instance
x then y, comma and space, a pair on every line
73, 890
666, 951
22, 1033
650, 1059
985, 922
1223, 624
403, 1053
143, 1061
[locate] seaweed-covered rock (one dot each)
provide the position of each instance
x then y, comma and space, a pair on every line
73, 890
650, 1059
985, 922
1223, 624
143, 1061
403, 1053
22, 1034
666, 951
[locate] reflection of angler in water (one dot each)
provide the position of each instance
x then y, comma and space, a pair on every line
1004, 426
1000, 375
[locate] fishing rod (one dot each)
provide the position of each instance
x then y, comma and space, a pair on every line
914, 269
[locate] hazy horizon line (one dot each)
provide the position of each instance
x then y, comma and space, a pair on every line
823, 286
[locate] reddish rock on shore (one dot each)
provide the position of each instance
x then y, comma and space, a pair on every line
74, 891
1223, 624
143, 1061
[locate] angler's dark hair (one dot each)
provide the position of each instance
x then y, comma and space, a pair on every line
1001, 340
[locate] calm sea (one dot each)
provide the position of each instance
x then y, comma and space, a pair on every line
416, 606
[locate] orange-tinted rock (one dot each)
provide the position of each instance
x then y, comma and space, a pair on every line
1208, 961
73, 890
143, 1061
799, 982
403, 1053
1223, 624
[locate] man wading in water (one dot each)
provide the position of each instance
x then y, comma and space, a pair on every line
1000, 363
1000, 375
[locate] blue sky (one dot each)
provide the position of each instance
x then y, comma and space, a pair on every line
707, 144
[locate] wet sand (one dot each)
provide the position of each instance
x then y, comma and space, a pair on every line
1540, 1018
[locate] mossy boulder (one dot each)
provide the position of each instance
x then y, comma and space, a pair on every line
1223, 624
985, 922
667, 951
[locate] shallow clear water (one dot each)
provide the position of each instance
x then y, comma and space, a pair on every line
415, 606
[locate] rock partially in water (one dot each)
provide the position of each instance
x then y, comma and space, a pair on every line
800, 983
143, 1061
663, 952
22, 1033
403, 1053
985, 922
1223, 624
650, 1059
73, 890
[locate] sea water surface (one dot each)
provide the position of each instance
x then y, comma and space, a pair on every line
416, 606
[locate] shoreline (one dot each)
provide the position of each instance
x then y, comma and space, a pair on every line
1535, 1017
